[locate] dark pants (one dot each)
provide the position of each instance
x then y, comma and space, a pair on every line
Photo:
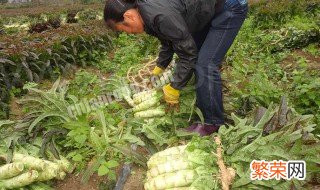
213, 43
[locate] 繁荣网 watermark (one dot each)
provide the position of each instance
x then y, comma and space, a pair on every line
278, 169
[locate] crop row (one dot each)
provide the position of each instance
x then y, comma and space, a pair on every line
35, 11
36, 56
43, 55
275, 13
45, 21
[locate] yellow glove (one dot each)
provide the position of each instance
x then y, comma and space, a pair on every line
171, 95
157, 71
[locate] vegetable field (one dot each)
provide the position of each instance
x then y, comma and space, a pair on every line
79, 108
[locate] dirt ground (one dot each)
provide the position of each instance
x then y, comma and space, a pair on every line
290, 62
16, 111
73, 182
135, 180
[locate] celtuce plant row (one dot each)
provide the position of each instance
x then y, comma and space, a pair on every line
25, 170
34, 58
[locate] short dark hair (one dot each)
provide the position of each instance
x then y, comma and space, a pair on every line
115, 9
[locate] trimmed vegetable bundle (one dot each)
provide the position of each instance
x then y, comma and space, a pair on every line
145, 104
26, 170
183, 167
148, 105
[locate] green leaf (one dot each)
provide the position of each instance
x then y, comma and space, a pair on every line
80, 139
104, 125
132, 138
112, 164
77, 158
96, 140
30, 85
93, 167
112, 175
103, 170
200, 115
155, 133
43, 116
5, 122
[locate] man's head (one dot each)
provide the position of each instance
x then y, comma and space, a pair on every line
123, 16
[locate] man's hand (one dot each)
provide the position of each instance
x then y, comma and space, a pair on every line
171, 95
157, 71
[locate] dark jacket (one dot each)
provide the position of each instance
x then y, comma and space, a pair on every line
173, 22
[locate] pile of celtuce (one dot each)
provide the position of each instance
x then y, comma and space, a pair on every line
276, 133
25, 170
190, 166
147, 105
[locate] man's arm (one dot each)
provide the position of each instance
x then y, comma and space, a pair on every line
187, 52
174, 29
165, 55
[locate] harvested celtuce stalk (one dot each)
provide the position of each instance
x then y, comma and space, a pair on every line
153, 101
169, 152
11, 170
52, 165
170, 167
20, 180
171, 180
64, 164
30, 161
162, 159
48, 174
129, 100
61, 175
144, 97
158, 112
40, 186
191, 166
143, 93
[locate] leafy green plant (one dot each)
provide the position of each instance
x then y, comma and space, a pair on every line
50, 105
274, 13
131, 50
272, 135
107, 168
313, 49
88, 14
85, 85
304, 92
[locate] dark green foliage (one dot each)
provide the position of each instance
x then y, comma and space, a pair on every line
280, 134
274, 13
37, 63
129, 51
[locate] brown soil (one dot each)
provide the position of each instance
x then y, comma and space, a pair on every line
16, 112
291, 62
134, 182
73, 182
136, 179
314, 61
